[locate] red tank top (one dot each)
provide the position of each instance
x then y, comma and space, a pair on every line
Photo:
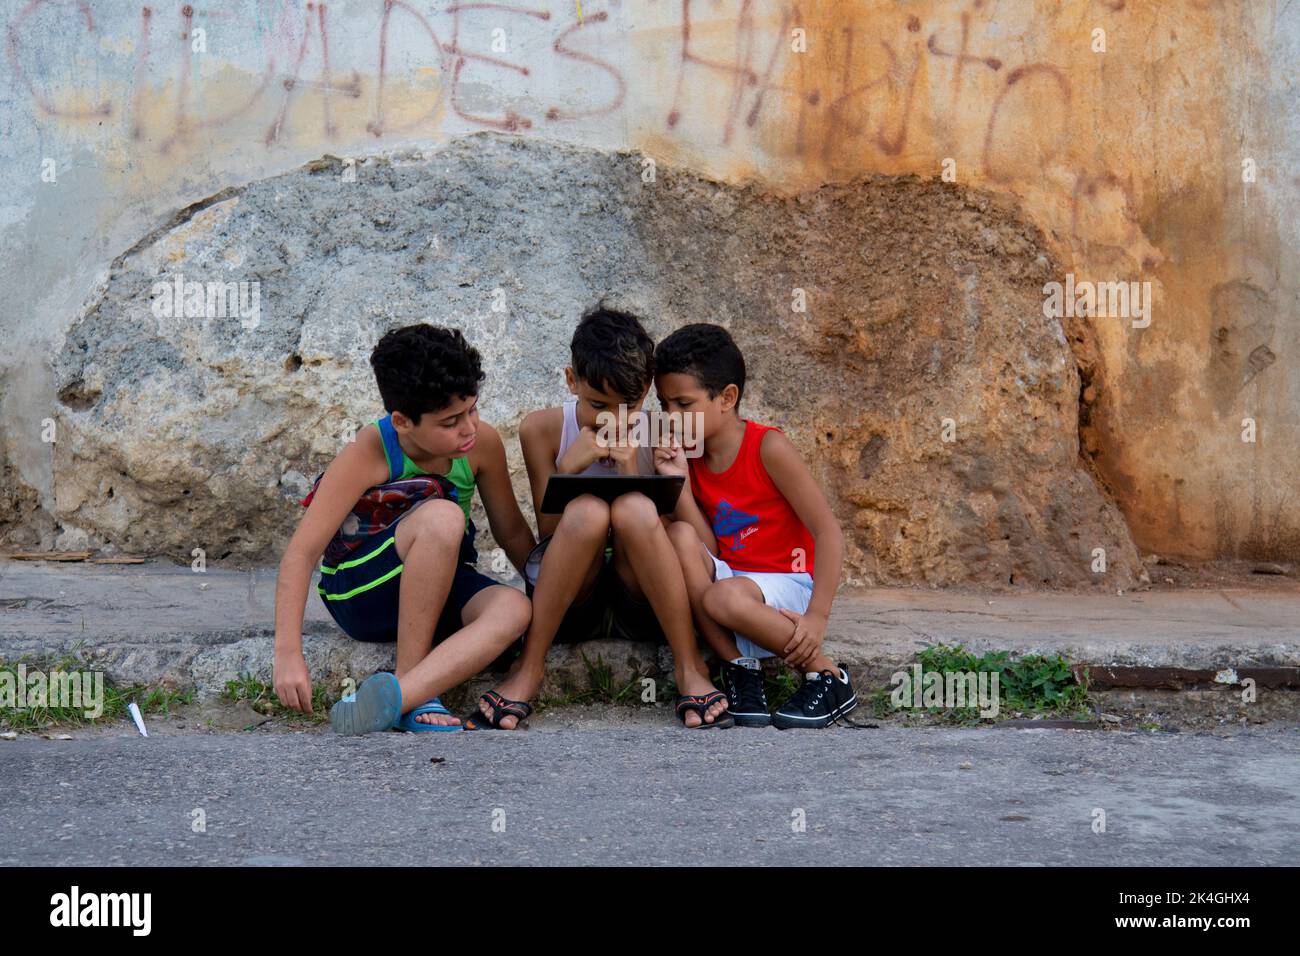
756, 528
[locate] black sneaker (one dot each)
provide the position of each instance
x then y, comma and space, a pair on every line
746, 699
821, 701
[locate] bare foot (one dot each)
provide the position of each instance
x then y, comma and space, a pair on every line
440, 720
518, 685
698, 685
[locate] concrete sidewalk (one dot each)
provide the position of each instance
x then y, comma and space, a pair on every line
656, 796
162, 622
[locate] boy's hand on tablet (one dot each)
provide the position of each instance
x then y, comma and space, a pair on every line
670, 459
624, 457
806, 643
584, 450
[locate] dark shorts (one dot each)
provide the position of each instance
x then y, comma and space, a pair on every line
361, 593
608, 610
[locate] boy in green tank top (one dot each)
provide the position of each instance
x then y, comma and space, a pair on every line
413, 580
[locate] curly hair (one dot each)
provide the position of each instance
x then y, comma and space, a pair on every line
422, 368
610, 350
707, 352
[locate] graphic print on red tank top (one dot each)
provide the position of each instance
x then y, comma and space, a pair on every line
756, 528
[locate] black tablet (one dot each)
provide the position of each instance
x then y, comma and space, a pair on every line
663, 490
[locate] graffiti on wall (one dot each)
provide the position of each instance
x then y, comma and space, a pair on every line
864, 88
895, 90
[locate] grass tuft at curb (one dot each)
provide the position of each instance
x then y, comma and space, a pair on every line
1032, 685
153, 701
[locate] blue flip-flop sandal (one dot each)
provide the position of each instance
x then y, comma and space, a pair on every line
409, 723
376, 705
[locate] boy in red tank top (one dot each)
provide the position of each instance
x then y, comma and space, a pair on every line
747, 533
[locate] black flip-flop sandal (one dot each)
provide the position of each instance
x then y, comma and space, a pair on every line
700, 703
500, 707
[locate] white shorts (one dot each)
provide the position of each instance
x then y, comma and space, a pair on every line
781, 590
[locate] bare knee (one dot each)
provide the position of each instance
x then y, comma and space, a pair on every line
633, 513
433, 522
586, 516
725, 600
515, 613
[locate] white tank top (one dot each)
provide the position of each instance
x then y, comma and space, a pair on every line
569, 434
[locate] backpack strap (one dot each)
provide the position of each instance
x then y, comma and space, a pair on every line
392, 447
393, 454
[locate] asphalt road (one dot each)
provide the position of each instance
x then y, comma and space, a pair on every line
655, 795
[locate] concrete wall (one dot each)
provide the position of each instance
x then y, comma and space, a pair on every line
1129, 160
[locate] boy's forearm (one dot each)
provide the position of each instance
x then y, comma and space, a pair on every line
512, 534
572, 461
519, 546
291, 585
829, 549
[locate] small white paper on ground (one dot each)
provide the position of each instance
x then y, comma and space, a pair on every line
138, 718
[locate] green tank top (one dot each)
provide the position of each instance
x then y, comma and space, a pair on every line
461, 474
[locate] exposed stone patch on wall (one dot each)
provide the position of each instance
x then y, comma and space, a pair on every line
923, 304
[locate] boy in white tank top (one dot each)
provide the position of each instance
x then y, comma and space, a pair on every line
601, 569
570, 431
